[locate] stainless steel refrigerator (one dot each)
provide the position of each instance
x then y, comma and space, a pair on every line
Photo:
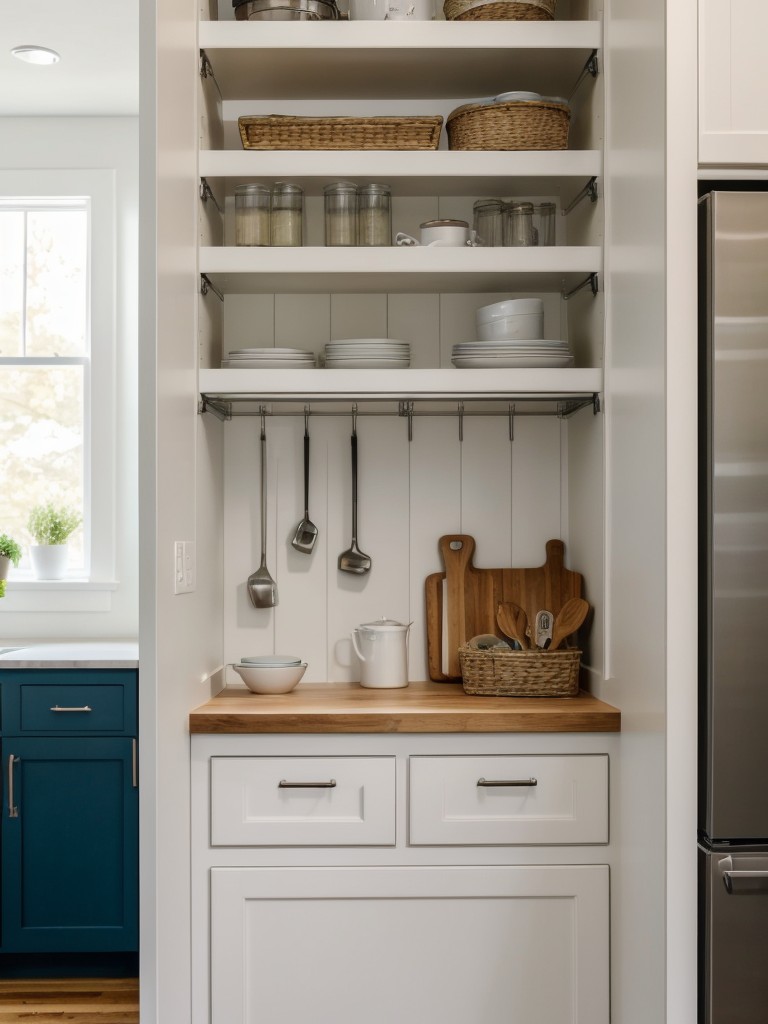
733, 656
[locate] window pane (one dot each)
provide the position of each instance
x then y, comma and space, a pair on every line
11, 282
41, 447
57, 293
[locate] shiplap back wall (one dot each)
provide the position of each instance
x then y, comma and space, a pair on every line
510, 496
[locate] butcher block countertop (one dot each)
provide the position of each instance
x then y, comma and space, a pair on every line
419, 707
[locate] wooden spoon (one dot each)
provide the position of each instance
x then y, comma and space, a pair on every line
513, 622
568, 620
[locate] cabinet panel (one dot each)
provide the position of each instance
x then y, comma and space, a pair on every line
410, 944
508, 799
70, 859
302, 801
88, 701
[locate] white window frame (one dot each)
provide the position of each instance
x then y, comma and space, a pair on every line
98, 188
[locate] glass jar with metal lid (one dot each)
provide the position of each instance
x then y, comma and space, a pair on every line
374, 215
340, 201
487, 221
287, 216
252, 204
518, 224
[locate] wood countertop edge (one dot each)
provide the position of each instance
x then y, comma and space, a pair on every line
351, 710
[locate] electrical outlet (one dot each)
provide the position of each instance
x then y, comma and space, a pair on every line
184, 568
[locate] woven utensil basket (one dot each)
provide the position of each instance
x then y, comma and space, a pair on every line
278, 131
502, 673
516, 124
499, 10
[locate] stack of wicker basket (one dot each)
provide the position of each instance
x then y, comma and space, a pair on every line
516, 124
499, 10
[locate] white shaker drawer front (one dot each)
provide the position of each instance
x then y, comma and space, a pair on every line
302, 801
509, 800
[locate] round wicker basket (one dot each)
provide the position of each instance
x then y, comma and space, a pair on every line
517, 124
499, 10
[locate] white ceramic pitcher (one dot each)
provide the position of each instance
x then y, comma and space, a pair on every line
382, 648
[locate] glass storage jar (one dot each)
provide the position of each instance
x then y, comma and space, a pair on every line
252, 204
287, 216
544, 223
340, 200
487, 221
374, 215
518, 224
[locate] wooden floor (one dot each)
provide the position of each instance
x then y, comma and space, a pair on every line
69, 1000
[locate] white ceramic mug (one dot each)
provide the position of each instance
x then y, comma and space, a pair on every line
411, 10
440, 233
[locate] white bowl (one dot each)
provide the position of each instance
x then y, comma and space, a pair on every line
271, 679
529, 326
509, 307
271, 660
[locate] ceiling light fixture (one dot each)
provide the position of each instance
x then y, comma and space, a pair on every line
36, 54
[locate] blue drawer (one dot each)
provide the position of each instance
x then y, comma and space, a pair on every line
69, 702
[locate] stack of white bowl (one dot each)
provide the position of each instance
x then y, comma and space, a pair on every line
511, 333
367, 353
269, 359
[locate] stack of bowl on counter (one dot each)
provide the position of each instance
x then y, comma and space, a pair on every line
271, 673
511, 334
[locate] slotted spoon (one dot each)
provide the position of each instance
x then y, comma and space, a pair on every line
306, 532
262, 589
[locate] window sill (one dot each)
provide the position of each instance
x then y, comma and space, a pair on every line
71, 595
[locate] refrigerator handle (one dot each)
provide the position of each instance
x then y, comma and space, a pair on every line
743, 883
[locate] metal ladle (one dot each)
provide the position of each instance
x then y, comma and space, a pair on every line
306, 532
262, 589
353, 559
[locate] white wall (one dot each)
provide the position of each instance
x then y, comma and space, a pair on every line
112, 144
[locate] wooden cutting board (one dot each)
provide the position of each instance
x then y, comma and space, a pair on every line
466, 605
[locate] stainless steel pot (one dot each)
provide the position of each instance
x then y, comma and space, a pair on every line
287, 10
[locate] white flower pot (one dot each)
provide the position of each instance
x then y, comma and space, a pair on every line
5, 565
49, 561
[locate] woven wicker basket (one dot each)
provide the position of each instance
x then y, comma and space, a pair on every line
499, 10
500, 673
277, 131
516, 124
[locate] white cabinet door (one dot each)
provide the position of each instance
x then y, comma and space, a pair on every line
733, 86
412, 945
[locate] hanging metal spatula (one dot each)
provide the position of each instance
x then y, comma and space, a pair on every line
353, 559
306, 532
262, 589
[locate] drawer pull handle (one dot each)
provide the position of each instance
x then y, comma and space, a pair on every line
284, 784
57, 708
508, 782
13, 810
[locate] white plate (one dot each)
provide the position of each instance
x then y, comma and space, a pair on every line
506, 97
266, 364
270, 660
367, 341
370, 364
511, 343
501, 361
269, 351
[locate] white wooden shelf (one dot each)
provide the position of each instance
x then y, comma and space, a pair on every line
389, 60
242, 270
437, 173
541, 391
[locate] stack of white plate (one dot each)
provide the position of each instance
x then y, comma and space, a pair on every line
269, 359
367, 353
521, 353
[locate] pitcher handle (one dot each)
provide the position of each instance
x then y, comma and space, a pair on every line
358, 652
401, 238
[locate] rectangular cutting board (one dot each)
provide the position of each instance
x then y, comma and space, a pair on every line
462, 601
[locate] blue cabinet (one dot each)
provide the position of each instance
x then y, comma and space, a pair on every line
70, 811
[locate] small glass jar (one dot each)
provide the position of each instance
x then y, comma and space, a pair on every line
518, 224
544, 223
340, 200
252, 204
287, 217
374, 215
487, 221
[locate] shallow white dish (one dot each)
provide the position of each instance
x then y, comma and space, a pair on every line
266, 364
508, 307
507, 328
271, 660
491, 362
511, 344
506, 97
367, 341
271, 679
371, 364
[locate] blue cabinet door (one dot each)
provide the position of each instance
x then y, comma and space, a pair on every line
69, 845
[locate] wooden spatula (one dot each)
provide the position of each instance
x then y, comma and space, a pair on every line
568, 620
513, 622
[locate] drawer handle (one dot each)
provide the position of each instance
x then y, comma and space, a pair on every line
13, 810
57, 708
284, 784
508, 782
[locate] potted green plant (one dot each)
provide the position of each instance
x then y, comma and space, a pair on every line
51, 526
10, 552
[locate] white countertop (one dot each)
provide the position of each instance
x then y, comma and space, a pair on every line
83, 654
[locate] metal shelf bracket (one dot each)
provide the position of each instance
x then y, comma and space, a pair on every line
207, 285
220, 409
591, 280
206, 193
590, 189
